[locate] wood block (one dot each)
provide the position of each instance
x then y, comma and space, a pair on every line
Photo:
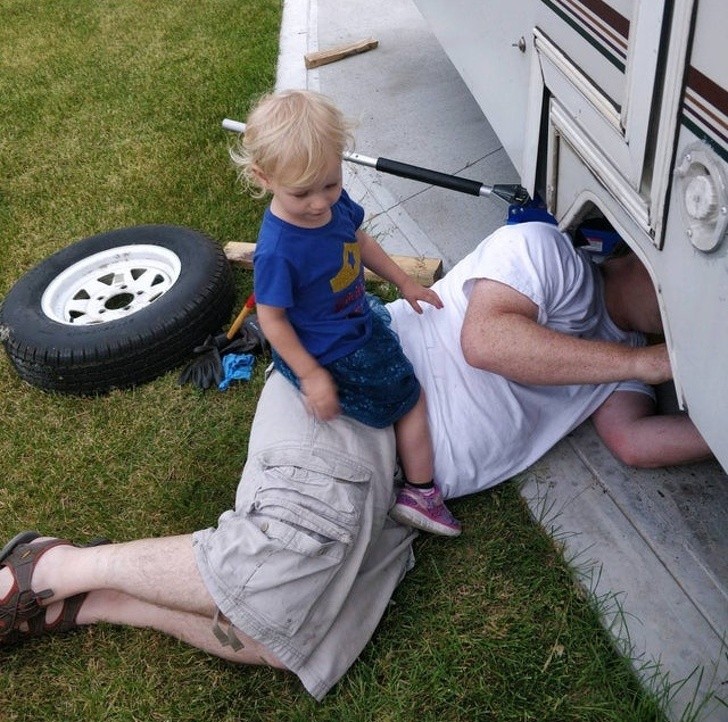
423, 270
322, 57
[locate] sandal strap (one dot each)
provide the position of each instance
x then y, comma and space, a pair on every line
66, 620
37, 625
23, 604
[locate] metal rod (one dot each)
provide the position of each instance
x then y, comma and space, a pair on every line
512, 194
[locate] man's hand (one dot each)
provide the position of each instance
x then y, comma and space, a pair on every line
320, 394
413, 292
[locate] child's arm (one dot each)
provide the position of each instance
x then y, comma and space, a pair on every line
317, 385
375, 259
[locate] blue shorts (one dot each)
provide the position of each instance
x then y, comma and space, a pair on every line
377, 383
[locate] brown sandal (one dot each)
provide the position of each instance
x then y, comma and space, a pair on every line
37, 626
21, 603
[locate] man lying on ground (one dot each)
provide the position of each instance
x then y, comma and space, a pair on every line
532, 340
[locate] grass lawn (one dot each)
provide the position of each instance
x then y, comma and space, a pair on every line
110, 117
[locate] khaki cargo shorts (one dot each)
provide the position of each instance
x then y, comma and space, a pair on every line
307, 561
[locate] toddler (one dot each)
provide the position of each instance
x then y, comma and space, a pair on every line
310, 293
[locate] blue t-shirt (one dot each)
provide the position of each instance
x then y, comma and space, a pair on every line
317, 276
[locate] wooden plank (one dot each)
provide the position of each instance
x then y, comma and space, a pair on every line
322, 57
424, 270
240, 254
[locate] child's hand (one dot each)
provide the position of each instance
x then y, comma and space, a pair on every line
413, 292
320, 394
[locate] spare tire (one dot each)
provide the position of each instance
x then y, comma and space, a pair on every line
116, 309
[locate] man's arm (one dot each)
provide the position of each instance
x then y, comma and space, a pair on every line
628, 426
500, 334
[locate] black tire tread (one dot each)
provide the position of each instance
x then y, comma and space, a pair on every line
156, 344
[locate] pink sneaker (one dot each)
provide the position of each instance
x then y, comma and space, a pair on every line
426, 510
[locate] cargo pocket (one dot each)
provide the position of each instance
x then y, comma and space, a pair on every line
308, 508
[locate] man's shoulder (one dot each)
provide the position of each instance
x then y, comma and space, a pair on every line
530, 244
534, 232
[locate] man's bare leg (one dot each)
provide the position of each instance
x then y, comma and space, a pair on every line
160, 571
146, 583
193, 629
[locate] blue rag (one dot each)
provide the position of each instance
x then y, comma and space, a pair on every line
236, 367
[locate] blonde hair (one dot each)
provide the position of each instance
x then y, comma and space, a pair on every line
290, 136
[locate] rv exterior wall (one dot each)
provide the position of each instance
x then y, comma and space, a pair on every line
598, 106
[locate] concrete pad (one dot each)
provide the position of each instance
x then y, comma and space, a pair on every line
411, 106
651, 546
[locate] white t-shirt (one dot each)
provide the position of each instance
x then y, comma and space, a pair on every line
485, 428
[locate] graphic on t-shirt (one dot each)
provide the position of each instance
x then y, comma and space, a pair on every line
350, 266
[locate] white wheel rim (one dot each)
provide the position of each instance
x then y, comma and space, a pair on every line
110, 285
